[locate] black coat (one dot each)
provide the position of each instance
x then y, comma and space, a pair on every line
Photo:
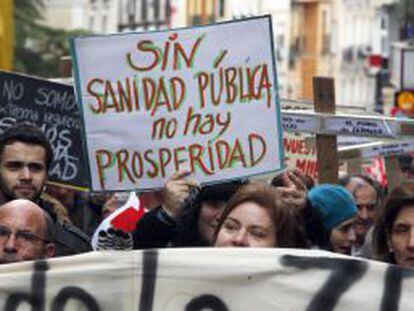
68, 239
157, 230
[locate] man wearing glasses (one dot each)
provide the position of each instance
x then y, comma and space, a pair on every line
26, 232
25, 157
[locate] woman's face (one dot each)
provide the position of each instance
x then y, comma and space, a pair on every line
208, 219
401, 239
343, 237
247, 225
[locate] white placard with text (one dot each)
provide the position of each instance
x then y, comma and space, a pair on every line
204, 98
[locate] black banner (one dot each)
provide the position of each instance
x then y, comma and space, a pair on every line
53, 107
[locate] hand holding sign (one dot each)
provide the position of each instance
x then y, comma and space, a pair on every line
177, 190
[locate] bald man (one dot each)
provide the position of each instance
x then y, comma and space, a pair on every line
26, 232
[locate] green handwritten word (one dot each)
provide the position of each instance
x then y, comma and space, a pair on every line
230, 85
149, 56
133, 165
129, 95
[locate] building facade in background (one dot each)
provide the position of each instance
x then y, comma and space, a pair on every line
65, 14
346, 39
110, 16
310, 51
140, 15
354, 20
281, 20
361, 45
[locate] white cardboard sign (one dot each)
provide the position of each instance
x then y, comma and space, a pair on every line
388, 149
299, 123
204, 98
360, 126
298, 155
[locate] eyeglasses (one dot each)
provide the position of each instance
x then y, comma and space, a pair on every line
22, 237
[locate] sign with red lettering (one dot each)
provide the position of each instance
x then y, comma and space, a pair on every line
298, 155
202, 97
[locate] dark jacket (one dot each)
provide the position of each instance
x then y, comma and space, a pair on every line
154, 230
68, 239
157, 230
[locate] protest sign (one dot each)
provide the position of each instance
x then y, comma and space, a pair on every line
52, 106
298, 155
204, 98
361, 126
206, 279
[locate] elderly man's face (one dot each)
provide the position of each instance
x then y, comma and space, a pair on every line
366, 202
22, 233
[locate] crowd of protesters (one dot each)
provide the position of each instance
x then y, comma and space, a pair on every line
354, 218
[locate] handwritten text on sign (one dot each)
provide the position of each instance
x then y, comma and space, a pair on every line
388, 149
203, 98
361, 126
53, 108
298, 155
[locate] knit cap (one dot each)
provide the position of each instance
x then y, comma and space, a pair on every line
334, 203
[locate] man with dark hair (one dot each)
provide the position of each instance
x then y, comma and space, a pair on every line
26, 232
25, 157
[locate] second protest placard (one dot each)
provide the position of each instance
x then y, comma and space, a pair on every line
203, 98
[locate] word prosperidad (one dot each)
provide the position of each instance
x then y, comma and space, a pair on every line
132, 165
225, 85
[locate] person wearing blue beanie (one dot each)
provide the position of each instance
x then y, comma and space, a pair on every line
336, 209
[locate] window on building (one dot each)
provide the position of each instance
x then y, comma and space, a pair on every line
104, 23
326, 36
221, 8
295, 50
196, 20
131, 11
280, 43
383, 23
91, 22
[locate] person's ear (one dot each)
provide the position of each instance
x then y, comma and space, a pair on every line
50, 250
